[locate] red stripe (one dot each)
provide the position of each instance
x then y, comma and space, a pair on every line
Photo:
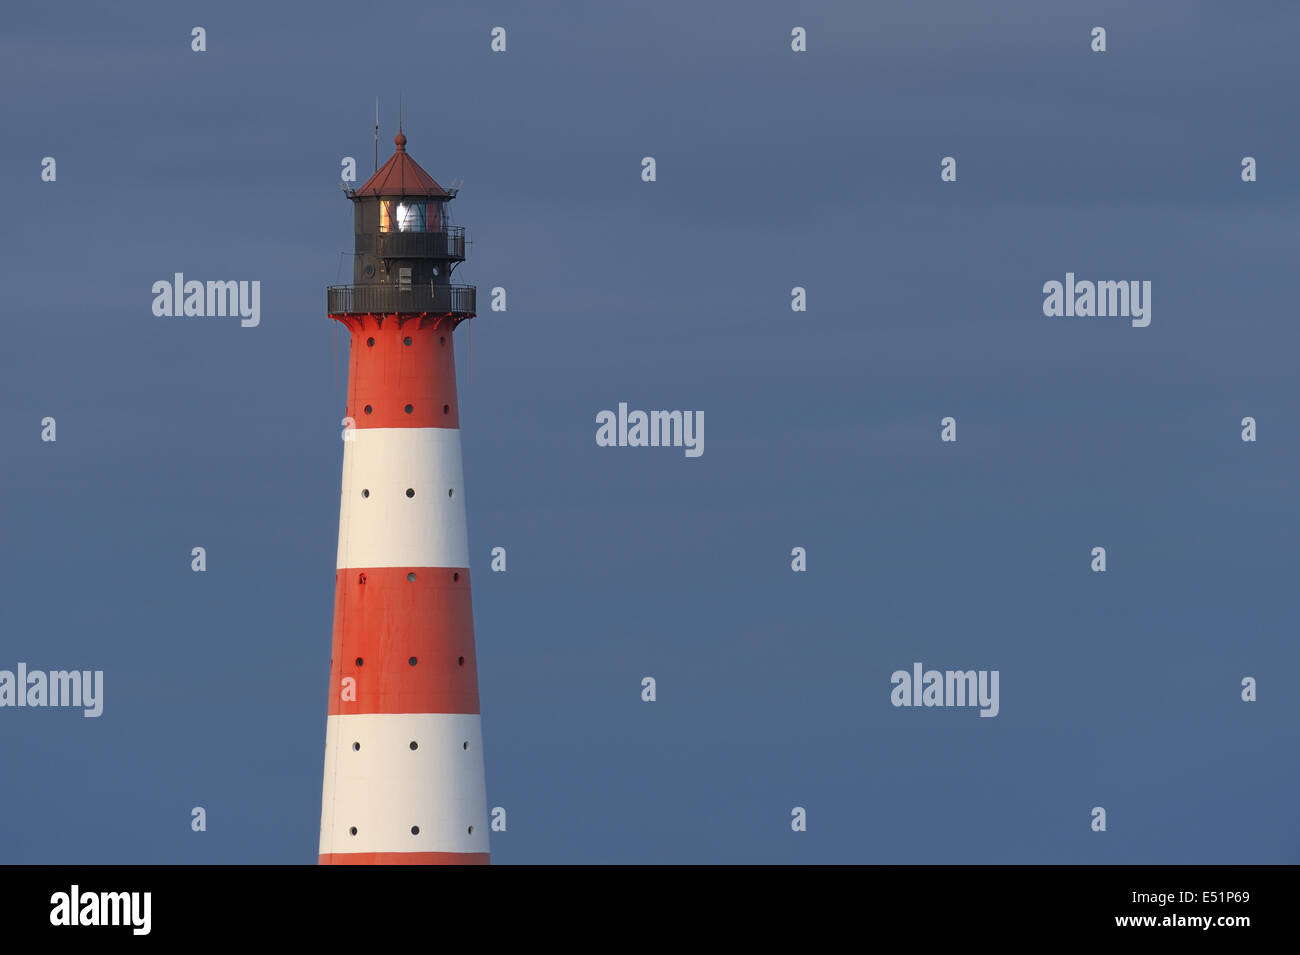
389, 619
405, 858
390, 375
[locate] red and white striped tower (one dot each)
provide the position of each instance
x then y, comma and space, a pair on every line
403, 747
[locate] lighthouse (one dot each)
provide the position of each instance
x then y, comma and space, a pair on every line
404, 777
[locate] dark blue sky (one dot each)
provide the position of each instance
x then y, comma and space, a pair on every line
775, 169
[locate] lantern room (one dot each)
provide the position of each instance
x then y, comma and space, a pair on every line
406, 247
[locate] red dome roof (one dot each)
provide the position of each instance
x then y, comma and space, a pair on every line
402, 176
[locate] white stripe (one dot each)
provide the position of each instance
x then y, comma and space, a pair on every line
384, 788
387, 528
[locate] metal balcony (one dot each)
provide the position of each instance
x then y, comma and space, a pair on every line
448, 244
454, 300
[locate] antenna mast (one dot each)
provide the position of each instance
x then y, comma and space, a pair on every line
376, 169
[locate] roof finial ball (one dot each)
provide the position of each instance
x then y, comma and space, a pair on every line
400, 141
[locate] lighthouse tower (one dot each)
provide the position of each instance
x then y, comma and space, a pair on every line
403, 747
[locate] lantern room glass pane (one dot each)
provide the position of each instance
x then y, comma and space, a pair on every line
410, 216
400, 215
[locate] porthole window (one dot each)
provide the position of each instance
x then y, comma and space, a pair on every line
414, 745
365, 492
353, 830
410, 492
368, 409
451, 492
446, 409
455, 575
360, 662
410, 408
442, 341
415, 830
460, 662
465, 745
406, 340
471, 830
412, 661
370, 343
356, 747
411, 576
